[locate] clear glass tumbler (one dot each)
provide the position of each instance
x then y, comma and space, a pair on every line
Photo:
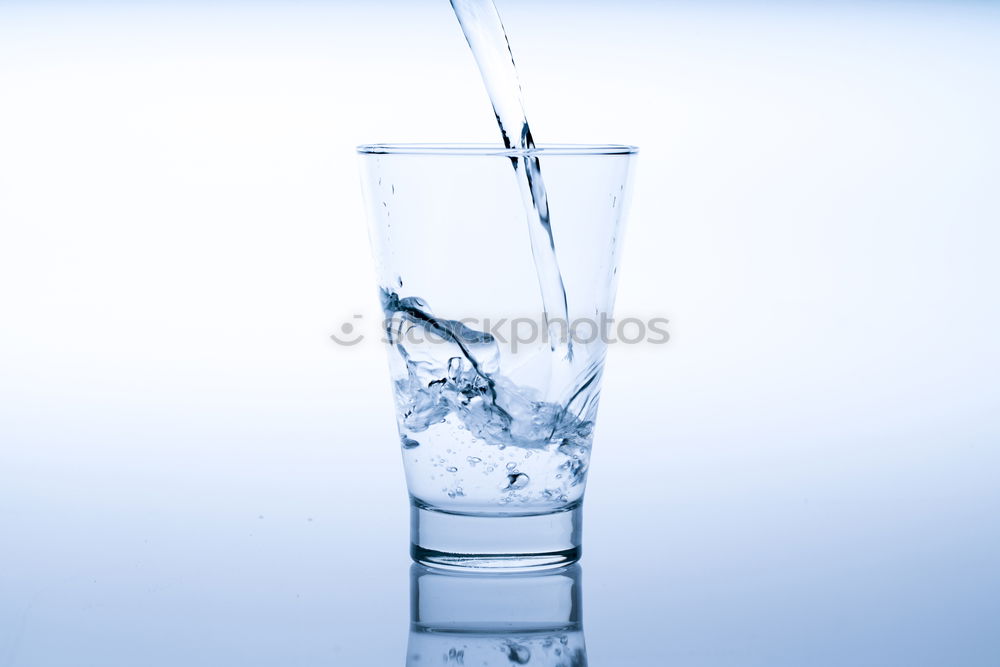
495, 397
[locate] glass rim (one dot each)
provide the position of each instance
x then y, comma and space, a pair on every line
479, 149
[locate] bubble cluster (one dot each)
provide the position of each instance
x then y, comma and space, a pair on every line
476, 426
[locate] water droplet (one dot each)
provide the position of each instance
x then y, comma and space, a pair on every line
473, 460
408, 443
511, 466
451, 469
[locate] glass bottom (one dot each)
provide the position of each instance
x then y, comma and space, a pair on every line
495, 542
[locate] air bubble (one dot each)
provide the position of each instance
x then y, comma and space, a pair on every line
408, 443
515, 481
518, 654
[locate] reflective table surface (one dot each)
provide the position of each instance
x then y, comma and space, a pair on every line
186, 558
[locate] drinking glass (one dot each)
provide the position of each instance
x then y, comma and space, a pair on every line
495, 396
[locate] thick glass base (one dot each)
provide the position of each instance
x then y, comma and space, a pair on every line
497, 542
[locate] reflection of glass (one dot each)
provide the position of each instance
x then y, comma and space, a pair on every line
500, 619
495, 400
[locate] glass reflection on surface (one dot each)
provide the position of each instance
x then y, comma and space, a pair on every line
459, 618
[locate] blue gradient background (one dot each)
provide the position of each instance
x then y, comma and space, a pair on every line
192, 473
